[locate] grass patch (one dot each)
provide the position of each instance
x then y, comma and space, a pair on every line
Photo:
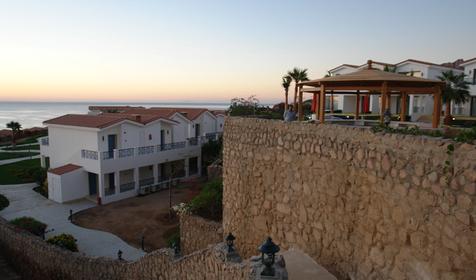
3, 202
29, 224
208, 203
19, 148
16, 155
18, 172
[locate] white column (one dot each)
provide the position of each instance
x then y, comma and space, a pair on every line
117, 181
43, 161
155, 170
136, 178
101, 186
187, 167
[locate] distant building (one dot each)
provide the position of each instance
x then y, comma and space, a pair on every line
419, 105
114, 152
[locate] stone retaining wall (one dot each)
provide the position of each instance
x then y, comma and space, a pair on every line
197, 233
36, 259
364, 205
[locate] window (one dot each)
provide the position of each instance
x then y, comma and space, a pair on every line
150, 136
418, 106
474, 76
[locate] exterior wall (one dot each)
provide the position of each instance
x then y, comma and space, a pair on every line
44, 261
196, 233
207, 124
66, 144
364, 205
54, 187
181, 130
220, 123
69, 186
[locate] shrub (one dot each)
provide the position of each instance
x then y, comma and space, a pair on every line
208, 203
3, 202
467, 135
172, 236
65, 241
29, 224
42, 189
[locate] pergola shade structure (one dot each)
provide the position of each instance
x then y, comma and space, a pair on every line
373, 81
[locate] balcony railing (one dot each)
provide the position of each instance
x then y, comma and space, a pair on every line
126, 152
108, 155
109, 191
172, 146
146, 182
127, 186
88, 154
45, 141
193, 141
145, 150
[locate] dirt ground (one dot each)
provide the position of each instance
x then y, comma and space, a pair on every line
130, 218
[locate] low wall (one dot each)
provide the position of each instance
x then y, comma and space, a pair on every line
364, 205
36, 259
197, 233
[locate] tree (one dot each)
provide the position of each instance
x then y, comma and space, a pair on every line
456, 91
244, 106
15, 127
391, 69
286, 84
298, 75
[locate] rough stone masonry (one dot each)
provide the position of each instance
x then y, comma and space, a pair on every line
364, 205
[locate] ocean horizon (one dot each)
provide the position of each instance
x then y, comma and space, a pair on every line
33, 114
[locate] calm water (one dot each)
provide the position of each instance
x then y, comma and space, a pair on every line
31, 114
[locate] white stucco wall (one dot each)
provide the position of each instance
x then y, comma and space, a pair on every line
220, 122
69, 186
180, 130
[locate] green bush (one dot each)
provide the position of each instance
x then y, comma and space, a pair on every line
29, 224
65, 241
211, 151
208, 203
3, 202
172, 236
467, 135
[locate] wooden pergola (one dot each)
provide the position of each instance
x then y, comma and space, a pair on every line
373, 82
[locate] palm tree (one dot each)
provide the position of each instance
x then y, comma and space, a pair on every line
298, 75
286, 84
15, 127
456, 91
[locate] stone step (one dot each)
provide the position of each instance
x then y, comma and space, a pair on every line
6, 271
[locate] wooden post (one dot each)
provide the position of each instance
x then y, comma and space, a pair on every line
403, 106
357, 105
436, 107
322, 103
317, 105
332, 102
383, 101
300, 111
389, 101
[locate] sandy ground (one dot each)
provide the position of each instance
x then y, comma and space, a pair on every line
131, 217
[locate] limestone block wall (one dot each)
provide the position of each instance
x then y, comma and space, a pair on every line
197, 233
35, 259
364, 205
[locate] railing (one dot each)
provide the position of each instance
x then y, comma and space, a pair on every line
45, 141
108, 155
146, 182
127, 186
126, 152
109, 191
145, 150
193, 141
88, 154
211, 136
171, 146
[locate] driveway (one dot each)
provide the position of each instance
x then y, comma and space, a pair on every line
26, 202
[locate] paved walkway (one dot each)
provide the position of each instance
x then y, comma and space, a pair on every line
26, 202
301, 266
7, 161
19, 151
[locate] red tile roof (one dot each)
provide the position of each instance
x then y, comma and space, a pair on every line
64, 169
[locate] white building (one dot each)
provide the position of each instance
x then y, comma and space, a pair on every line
419, 106
110, 156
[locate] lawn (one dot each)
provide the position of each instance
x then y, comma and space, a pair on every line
14, 173
16, 155
20, 148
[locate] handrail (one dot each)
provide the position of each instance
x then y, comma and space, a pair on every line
145, 150
126, 152
108, 155
88, 154
171, 146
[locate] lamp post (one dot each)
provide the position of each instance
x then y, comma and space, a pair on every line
119, 255
387, 117
229, 242
268, 252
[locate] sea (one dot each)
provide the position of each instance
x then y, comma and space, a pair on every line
32, 114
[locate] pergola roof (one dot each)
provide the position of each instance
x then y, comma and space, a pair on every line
370, 76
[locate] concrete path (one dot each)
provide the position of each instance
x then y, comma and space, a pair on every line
26, 202
19, 151
301, 266
7, 161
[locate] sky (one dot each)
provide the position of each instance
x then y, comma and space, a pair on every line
211, 50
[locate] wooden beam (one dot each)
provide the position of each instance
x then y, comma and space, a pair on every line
317, 105
403, 106
383, 101
357, 106
388, 98
300, 111
322, 104
332, 102
436, 107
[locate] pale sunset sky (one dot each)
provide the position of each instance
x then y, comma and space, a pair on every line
211, 51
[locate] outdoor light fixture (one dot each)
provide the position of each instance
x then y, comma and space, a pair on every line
119, 255
268, 249
387, 117
229, 242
